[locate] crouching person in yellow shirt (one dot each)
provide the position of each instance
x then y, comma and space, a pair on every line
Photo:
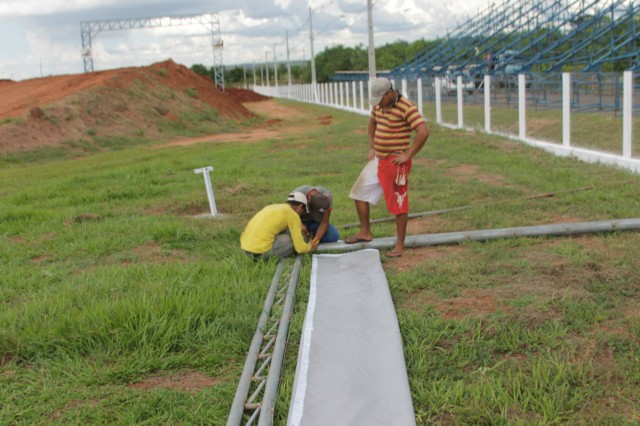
266, 235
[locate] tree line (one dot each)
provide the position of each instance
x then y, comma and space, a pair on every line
392, 55
330, 60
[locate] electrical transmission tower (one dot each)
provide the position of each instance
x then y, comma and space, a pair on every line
211, 21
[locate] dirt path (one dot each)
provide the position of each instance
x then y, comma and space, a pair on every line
277, 116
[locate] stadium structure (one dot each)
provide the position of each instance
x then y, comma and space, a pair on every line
532, 36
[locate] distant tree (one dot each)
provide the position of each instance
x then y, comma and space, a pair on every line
201, 69
391, 55
234, 75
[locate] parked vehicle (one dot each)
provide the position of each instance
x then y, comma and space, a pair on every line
449, 85
504, 69
509, 76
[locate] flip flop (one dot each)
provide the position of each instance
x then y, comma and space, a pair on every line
353, 239
395, 254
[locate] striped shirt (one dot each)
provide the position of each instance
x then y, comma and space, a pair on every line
395, 126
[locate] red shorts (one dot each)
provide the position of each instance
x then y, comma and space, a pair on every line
395, 184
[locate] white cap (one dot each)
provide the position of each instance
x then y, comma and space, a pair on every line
299, 197
379, 87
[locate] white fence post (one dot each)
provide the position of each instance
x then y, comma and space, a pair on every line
404, 88
419, 83
566, 109
438, 101
627, 114
522, 105
362, 95
487, 103
460, 101
355, 95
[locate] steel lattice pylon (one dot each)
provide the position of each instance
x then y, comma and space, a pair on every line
211, 21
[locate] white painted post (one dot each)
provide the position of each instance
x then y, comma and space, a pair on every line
346, 94
341, 97
566, 109
405, 92
420, 96
627, 114
460, 99
362, 95
355, 95
522, 103
438, 101
207, 183
487, 103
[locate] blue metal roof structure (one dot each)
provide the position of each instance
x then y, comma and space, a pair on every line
541, 36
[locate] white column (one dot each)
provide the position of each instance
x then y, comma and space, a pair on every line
404, 88
566, 109
460, 101
355, 95
627, 114
438, 100
487, 103
362, 95
522, 104
419, 83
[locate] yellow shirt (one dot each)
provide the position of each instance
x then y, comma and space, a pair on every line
262, 229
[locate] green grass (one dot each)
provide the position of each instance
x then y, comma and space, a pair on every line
601, 131
109, 280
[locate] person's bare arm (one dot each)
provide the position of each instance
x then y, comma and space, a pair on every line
422, 134
324, 225
372, 131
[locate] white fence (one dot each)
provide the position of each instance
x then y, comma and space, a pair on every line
352, 96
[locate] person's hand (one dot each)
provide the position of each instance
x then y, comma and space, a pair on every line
401, 159
305, 232
314, 244
372, 154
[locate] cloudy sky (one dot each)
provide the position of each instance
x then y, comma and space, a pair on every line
42, 37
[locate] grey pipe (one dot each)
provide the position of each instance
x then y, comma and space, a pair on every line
411, 216
273, 378
493, 203
491, 234
237, 408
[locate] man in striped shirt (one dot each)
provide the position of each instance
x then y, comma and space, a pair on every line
393, 120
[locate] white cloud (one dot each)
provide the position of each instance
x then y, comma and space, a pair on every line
283, 3
39, 7
48, 30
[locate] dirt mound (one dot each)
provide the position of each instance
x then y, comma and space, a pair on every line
242, 95
141, 102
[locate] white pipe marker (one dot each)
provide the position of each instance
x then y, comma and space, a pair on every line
207, 182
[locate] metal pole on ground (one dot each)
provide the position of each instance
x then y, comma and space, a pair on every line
558, 229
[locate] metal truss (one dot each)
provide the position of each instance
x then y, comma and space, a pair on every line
535, 36
211, 21
261, 372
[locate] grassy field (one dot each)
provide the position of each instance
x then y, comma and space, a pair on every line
600, 131
121, 306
